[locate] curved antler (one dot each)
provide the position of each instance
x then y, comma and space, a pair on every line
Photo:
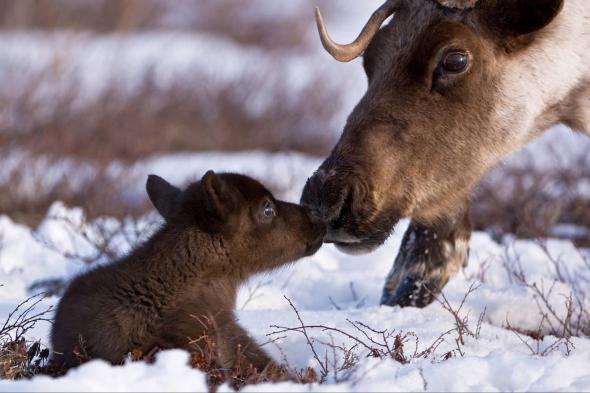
346, 53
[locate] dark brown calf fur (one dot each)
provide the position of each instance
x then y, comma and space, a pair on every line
218, 232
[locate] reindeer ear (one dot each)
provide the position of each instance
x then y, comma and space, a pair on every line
164, 196
221, 197
519, 17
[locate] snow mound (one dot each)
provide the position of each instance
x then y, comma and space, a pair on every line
140, 377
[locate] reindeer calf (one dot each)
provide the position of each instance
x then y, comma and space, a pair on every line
217, 233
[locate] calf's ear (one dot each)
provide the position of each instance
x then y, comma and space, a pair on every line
513, 18
164, 196
221, 198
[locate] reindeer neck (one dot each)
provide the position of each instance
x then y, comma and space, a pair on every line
173, 261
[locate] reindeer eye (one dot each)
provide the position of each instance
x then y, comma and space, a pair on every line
268, 211
455, 61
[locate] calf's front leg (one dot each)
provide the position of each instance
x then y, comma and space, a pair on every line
235, 341
428, 257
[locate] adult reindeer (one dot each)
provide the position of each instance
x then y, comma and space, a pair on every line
453, 87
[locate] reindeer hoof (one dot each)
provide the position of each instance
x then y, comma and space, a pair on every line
427, 259
412, 291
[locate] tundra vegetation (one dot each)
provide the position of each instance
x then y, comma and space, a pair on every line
522, 201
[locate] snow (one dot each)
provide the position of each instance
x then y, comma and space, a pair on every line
328, 288
570, 231
285, 171
138, 377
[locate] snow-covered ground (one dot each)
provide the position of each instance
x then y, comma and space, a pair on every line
328, 289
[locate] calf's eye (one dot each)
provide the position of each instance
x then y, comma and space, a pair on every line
268, 211
455, 61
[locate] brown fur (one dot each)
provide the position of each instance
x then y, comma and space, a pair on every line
182, 283
422, 137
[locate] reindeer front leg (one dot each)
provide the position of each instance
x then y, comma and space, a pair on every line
235, 341
428, 257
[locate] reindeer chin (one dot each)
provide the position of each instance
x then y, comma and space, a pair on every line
355, 249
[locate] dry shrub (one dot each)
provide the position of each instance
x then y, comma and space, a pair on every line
204, 357
573, 319
192, 114
259, 23
20, 358
27, 192
239, 374
102, 240
340, 362
124, 127
529, 202
96, 15
188, 114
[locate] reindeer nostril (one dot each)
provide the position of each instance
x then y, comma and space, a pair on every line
313, 192
346, 209
335, 203
325, 195
314, 214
